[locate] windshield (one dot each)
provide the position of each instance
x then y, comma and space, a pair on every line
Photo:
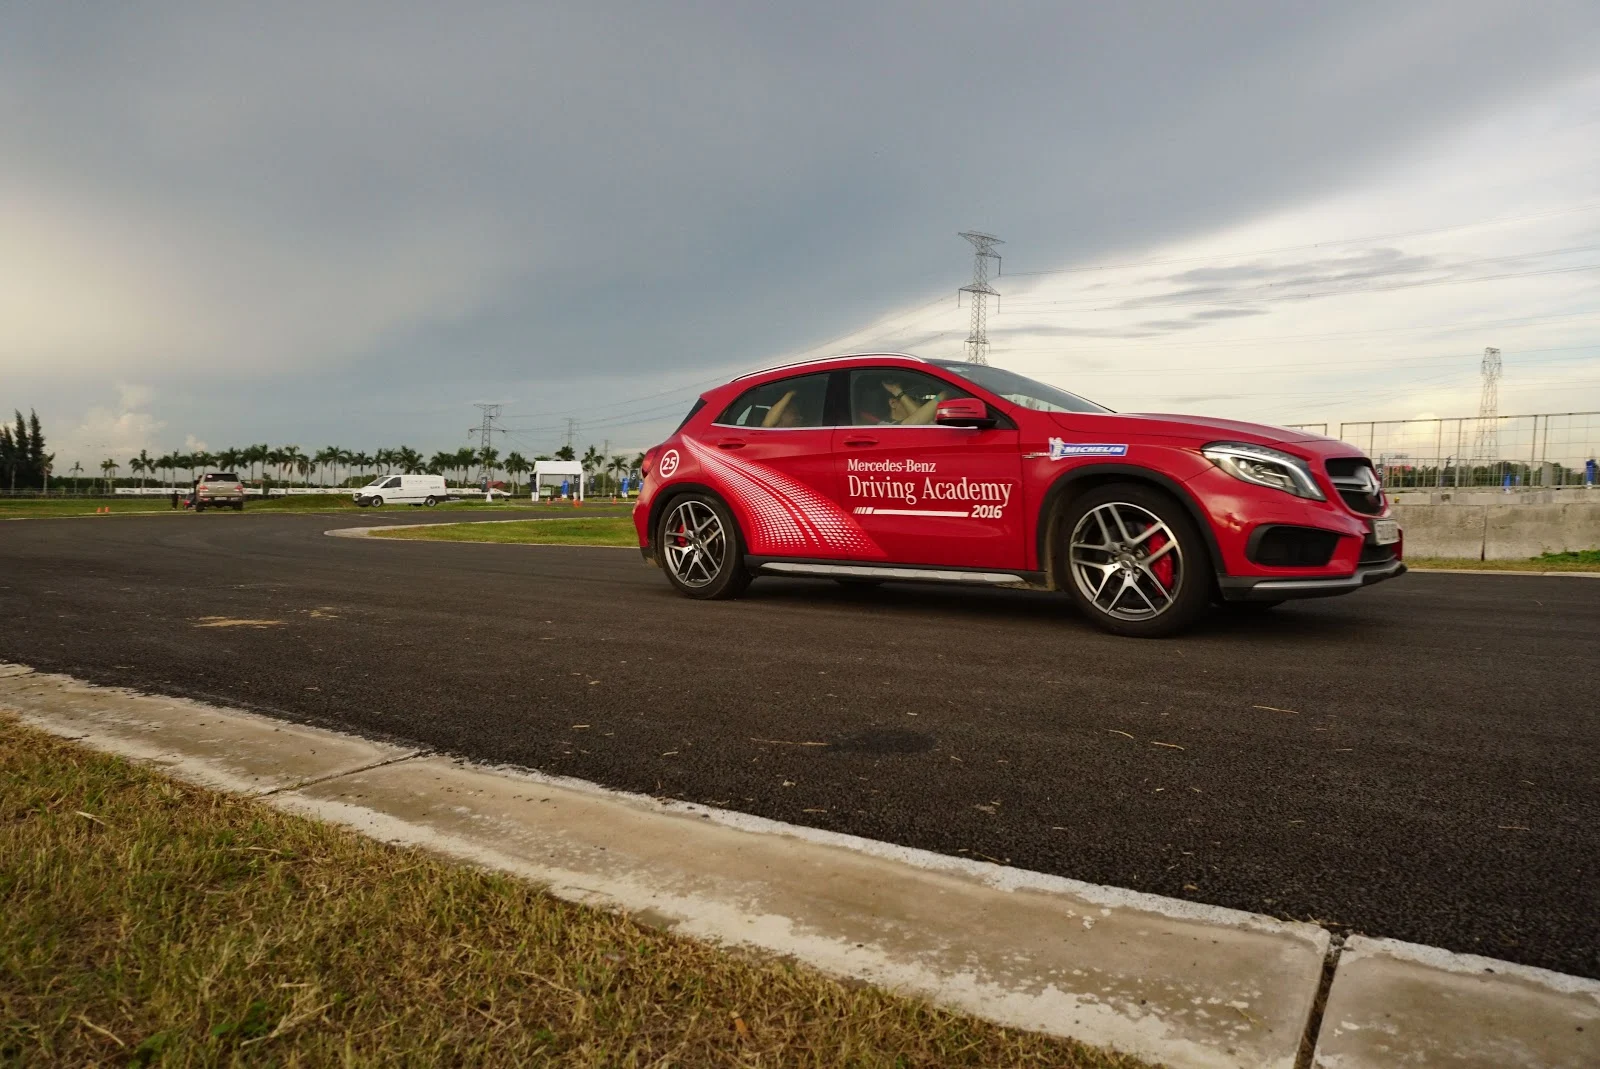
1019, 389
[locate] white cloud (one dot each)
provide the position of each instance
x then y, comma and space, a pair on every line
1490, 237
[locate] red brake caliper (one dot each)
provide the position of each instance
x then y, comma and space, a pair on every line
1163, 568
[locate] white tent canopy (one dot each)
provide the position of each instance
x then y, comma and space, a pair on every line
555, 471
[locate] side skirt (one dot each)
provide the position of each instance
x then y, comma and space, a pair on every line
914, 573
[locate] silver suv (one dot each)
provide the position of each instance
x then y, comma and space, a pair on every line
218, 488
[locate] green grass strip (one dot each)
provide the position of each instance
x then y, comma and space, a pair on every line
566, 531
147, 922
1583, 560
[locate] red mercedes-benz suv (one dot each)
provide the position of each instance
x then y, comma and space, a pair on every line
883, 467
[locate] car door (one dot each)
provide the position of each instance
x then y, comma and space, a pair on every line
770, 455
928, 494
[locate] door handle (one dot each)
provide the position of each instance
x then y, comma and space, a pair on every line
860, 439
730, 443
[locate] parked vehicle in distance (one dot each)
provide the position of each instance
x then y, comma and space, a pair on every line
216, 489
426, 490
880, 467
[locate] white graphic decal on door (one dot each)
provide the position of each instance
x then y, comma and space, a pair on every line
787, 517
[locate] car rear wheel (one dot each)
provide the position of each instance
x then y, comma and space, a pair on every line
199, 507
430, 501
700, 548
1136, 562
238, 506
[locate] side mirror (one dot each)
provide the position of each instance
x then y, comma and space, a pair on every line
963, 412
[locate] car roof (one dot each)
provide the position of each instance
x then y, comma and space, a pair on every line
829, 362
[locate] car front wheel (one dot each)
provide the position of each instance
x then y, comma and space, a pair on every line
376, 503
700, 548
1136, 561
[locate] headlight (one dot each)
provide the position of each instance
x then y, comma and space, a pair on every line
1264, 467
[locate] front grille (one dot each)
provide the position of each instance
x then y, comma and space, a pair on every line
1357, 484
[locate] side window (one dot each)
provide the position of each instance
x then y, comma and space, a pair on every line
392, 484
893, 395
796, 402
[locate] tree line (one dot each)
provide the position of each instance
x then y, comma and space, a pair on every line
344, 468
23, 461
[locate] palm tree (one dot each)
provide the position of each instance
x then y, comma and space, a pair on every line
203, 459
360, 461
108, 466
617, 467
591, 462
290, 458
489, 457
77, 471
566, 453
384, 459
304, 465
322, 458
516, 464
409, 459
255, 456
229, 459
345, 457
146, 465
466, 457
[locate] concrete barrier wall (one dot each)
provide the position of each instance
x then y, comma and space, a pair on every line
1499, 532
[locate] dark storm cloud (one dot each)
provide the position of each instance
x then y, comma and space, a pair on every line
461, 200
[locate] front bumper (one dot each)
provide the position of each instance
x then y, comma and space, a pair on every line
1246, 588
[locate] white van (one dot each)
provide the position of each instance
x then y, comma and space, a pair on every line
426, 490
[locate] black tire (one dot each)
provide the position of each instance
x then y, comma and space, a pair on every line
689, 571
238, 506
198, 508
430, 501
376, 502
1140, 593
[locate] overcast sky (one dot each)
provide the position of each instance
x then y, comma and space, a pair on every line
342, 224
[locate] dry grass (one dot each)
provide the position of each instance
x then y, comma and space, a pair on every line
567, 531
148, 922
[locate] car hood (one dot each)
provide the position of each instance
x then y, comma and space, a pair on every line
1171, 425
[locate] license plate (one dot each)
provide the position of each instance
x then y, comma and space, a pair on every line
1386, 531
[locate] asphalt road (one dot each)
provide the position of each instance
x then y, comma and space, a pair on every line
1418, 760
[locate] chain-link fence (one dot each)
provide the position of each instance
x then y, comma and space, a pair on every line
1546, 450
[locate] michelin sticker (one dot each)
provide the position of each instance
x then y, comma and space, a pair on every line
1060, 450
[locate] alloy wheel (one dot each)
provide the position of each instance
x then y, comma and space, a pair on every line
1126, 561
694, 543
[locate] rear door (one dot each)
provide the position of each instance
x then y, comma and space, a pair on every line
770, 454
928, 494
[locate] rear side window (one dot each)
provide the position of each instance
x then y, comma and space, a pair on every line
794, 402
698, 405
